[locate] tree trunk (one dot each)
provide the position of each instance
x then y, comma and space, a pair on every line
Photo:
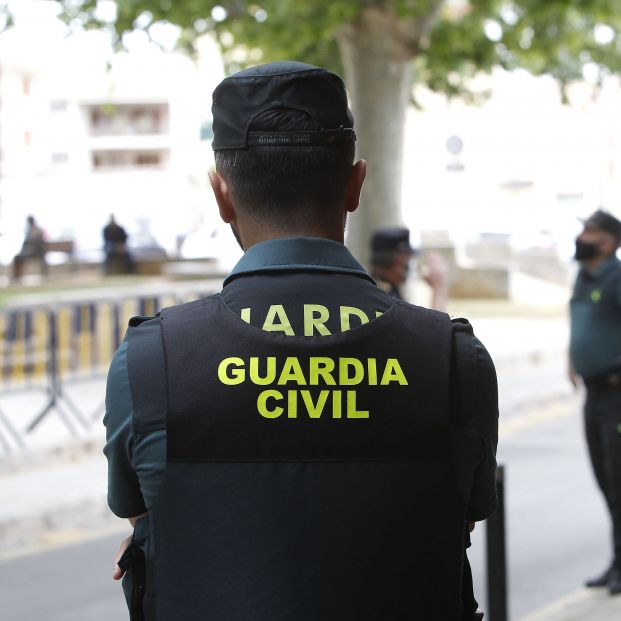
378, 78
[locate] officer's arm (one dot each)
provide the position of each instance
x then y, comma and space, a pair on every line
474, 427
483, 492
124, 495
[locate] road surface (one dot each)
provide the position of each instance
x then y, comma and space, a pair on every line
557, 535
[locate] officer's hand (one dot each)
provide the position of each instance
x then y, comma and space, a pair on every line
117, 572
435, 273
471, 526
435, 269
574, 378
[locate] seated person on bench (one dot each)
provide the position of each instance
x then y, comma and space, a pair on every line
34, 247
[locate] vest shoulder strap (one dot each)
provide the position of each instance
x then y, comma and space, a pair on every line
173, 311
147, 374
146, 365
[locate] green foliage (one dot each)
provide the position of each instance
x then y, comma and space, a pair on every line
557, 37
560, 37
6, 18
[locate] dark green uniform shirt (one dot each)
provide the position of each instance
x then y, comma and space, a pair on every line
595, 346
269, 288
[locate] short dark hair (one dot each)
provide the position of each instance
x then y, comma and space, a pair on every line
287, 185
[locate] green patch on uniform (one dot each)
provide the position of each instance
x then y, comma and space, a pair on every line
596, 296
619, 427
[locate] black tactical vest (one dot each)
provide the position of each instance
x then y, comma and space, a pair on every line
307, 479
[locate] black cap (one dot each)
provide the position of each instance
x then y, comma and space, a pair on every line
604, 221
238, 99
385, 243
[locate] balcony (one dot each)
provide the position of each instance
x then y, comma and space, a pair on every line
110, 160
127, 119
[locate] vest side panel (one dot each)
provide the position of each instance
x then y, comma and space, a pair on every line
147, 376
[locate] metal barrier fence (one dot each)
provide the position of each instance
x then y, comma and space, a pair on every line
45, 347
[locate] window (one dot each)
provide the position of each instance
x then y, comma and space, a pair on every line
148, 159
59, 158
128, 120
127, 159
58, 105
105, 159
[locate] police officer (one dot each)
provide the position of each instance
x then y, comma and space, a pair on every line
595, 356
115, 247
391, 255
300, 445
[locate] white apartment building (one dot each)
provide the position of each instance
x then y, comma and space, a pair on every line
79, 141
531, 165
84, 134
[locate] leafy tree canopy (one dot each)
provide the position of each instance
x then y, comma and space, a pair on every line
449, 40
379, 46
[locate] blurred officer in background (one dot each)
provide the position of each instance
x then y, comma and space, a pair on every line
115, 247
595, 356
301, 445
391, 255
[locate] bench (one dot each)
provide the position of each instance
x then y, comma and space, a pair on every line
65, 246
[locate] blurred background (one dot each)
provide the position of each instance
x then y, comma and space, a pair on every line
491, 127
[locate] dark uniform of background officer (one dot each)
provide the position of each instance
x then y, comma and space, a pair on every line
115, 247
391, 255
595, 356
304, 446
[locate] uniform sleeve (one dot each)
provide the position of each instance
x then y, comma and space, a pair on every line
474, 428
483, 493
124, 495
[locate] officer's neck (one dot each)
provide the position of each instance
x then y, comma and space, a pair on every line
592, 264
255, 233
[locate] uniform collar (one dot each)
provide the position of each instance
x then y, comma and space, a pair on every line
601, 270
295, 254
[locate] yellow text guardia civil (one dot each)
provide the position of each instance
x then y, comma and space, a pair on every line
314, 371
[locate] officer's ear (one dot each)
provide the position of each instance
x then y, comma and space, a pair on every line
610, 245
354, 186
222, 193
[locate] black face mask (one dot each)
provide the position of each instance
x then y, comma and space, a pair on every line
586, 251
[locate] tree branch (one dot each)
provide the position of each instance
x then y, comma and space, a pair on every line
412, 31
382, 5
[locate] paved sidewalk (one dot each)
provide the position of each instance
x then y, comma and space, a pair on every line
583, 605
62, 498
